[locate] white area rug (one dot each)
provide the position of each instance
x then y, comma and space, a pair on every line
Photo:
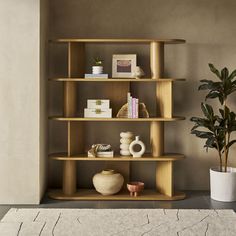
102, 222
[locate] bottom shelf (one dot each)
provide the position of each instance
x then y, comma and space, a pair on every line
91, 194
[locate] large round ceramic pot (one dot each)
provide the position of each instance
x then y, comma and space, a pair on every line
108, 182
223, 184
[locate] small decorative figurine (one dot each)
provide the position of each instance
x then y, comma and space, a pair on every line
139, 73
137, 142
126, 139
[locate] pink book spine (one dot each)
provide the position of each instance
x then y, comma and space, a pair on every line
133, 107
137, 107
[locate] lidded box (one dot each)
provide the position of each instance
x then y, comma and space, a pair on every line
98, 103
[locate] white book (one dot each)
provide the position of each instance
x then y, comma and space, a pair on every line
96, 76
103, 154
130, 107
128, 101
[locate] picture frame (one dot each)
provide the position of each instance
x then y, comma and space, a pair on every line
123, 65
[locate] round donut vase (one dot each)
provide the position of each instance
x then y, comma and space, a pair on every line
137, 142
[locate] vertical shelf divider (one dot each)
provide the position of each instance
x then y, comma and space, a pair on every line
76, 66
164, 170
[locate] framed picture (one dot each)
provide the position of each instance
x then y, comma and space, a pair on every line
123, 65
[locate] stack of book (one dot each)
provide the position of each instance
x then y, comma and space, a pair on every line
133, 106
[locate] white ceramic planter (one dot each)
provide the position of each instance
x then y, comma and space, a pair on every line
223, 184
97, 70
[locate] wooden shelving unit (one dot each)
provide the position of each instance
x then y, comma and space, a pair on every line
75, 128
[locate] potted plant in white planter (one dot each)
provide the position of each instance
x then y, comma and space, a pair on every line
217, 129
97, 66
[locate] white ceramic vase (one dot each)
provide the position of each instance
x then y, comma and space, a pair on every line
223, 184
97, 70
126, 139
108, 182
137, 142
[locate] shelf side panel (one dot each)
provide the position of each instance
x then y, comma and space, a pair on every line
164, 99
157, 138
164, 178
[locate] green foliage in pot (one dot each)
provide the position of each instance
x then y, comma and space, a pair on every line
97, 61
217, 128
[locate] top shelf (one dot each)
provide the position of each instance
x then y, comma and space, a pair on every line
74, 40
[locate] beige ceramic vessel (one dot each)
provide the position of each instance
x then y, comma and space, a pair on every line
108, 182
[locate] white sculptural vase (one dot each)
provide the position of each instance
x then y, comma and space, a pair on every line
108, 182
137, 142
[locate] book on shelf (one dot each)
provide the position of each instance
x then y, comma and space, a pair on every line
88, 76
133, 106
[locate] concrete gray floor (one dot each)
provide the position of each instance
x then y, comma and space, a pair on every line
194, 200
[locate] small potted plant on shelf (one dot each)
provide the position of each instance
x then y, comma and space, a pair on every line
217, 129
97, 66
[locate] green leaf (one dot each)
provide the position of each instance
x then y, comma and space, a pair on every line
214, 70
202, 134
224, 74
207, 110
212, 95
230, 143
232, 75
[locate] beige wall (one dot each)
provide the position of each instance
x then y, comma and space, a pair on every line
20, 102
209, 28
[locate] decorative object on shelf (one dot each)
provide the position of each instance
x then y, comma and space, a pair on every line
101, 150
142, 111
92, 76
108, 182
137, 142
97, 67
123, 65
135, 188
126, 139
217, 130
133, 109
98, 103
98, 108
139, 73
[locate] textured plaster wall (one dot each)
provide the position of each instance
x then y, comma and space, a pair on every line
20, 154
209, 28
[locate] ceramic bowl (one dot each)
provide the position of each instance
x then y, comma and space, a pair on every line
135, 188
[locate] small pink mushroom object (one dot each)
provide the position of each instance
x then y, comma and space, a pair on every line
135, 188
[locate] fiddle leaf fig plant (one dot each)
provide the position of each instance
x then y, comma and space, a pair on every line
217, 128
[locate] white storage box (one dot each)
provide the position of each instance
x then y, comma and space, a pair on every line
98, 104
103, 154
97, 113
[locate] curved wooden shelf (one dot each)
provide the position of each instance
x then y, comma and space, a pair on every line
158, 80
91, 195
76, 40
175, 118
146, 157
